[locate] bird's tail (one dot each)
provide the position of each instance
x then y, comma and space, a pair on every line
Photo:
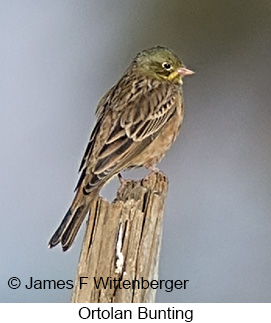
68, 228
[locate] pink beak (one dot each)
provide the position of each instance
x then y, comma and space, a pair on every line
183, 71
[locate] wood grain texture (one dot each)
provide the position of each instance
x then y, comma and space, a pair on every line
123, 241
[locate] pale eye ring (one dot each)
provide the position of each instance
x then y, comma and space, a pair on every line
166, 66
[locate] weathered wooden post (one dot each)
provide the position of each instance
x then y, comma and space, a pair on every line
122, 241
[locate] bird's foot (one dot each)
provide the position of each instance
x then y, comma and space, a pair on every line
122, 180
126, 185
152, 168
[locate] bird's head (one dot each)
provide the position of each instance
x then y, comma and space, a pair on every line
162, 64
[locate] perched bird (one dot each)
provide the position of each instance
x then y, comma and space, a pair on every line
137, 121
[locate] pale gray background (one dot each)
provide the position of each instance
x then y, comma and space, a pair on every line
57, 59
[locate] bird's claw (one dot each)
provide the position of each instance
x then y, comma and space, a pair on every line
152, 168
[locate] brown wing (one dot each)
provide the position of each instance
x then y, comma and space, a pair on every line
126, 132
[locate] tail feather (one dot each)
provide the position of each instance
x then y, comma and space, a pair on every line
56, 238
72, 228
68, 228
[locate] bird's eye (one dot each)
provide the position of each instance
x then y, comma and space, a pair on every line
167, 66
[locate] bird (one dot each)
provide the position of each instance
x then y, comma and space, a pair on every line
137, 121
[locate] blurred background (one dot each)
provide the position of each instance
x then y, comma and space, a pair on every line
58, 57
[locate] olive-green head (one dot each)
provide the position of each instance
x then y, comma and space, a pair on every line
162, 64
